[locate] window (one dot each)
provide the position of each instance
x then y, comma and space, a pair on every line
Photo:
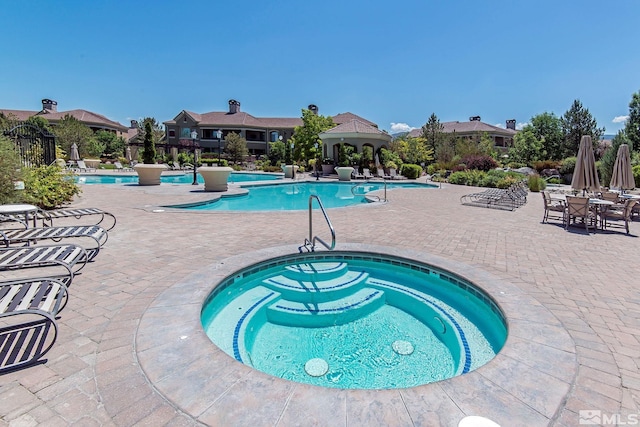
172, 133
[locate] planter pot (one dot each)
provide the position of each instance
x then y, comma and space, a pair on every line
92, 163
215, 178
344, 173
327, 170
290, 170
149, 174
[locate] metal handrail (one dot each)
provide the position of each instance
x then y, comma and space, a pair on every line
366, 182
311, 241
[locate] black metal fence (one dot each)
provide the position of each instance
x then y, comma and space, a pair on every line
36, 146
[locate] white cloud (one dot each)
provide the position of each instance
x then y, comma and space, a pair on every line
519, 126
620, 119
499, 125
401, 127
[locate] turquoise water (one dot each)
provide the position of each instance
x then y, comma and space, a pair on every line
295, 196
187, 178
375, 322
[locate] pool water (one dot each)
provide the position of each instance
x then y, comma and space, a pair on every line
186, 178
351, 320
295, 196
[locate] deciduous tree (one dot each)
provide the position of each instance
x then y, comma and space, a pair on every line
632, 127
306, 136
235, 147
70, 130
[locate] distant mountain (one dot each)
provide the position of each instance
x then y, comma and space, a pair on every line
608, 137
398, 135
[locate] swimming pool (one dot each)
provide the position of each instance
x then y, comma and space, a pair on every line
186, 178
354, 320
295, 196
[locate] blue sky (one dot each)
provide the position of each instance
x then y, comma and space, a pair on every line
393, 63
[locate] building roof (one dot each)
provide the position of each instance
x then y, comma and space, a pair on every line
473, 126
87, 117
355, 129
242, 119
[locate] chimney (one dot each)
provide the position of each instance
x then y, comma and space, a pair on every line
134, 124
313, 108
48, 104
474, 118
234, 106
511, 124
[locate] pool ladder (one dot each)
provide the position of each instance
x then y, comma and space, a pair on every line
353, 189
310, 242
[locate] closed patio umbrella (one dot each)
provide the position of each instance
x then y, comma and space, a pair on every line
622, 176
74, 156
127, 154
585, 175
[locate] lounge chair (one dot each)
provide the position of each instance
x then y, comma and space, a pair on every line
71, 258
578, 208
367, 174
356, 175
381, 174
48, 216
28, 235
553, 208
28, 309
82, 167
620, 213
394, 174
121, 168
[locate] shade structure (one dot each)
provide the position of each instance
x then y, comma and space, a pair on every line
622, 176
74, 156
585, 174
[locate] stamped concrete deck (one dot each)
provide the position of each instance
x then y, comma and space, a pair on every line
130, 352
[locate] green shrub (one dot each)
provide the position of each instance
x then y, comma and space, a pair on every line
541, 165
49, 187
468, 177
411, 171
568, 165
508, 181
269, 168
479, 162
636, 175
9, 171
490, 180
536, 183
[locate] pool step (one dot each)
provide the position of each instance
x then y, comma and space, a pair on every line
315, 287
336, 312
316, 271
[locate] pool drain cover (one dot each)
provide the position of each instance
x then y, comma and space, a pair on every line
403, 348
316, 367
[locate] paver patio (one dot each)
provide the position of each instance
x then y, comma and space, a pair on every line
95, 373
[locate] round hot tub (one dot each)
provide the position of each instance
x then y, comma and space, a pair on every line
354, 320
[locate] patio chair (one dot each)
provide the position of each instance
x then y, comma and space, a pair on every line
611, 196
619, 213
553, 208
578, 208
26, 236
356, 175
28, 309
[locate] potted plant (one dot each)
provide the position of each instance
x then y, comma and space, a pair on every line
327, 166
149, 172
344, 169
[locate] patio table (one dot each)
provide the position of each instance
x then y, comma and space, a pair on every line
20, 210
599, 205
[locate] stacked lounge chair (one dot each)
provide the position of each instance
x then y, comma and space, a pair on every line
30, 302
498, 198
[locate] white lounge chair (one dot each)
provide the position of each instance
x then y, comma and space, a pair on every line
71, 258
394, 175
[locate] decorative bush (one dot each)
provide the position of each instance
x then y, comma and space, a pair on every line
636, 175
479, 162
568, 165
411, 171
536, 183
49, 187
541, 165
9, 171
